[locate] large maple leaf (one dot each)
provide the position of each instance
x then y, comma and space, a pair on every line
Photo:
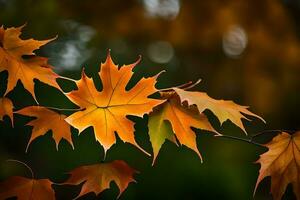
282, 163
97, 177
172, 119
12, 50
47, 120
223, 109
26, 189
106, 110
6, 108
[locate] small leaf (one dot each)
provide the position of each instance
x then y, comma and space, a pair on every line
97, 177
47, 120
6, 108
26, 189
282, 163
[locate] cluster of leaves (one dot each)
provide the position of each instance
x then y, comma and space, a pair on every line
172, 115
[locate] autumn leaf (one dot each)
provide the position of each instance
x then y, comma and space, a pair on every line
106, 110
173, 117
282, 163
97, 177
6, 108
47, 120
26, 189
224, 110
12, 50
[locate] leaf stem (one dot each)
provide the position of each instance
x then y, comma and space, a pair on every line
250, 141
68, 79
17, 161
192, 85
179, 86
63, 109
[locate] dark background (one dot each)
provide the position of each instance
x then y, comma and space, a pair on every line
244, 50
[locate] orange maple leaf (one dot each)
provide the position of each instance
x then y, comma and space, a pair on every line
6, 108
97, 177
224, 110
282, 163
12, 50
106, 110
47, 120
25, 188
174, 119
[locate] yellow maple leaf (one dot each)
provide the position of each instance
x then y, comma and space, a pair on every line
12, 50
282, 163
106, 110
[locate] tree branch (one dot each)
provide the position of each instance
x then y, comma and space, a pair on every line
271, 131
250, 141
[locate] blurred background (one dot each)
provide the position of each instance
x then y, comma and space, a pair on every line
244, 50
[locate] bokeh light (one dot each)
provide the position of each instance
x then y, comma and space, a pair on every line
167, 9
160, 52
234, 41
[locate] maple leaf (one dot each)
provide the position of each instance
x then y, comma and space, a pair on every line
173, 117
282, 163
47, 120
6, 108
224, 110
12, 50
97, 177
26, 189
106, 110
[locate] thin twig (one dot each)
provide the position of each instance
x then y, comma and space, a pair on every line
31, 172
270, 131
185, 86
12, 160
250, 141
63, 109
